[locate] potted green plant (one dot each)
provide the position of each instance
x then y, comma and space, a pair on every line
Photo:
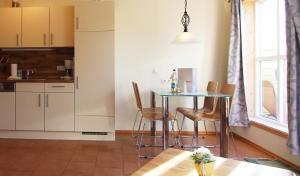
204, 161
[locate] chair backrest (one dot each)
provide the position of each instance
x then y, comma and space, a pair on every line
209, 102
227, 89
137, 96
269, 97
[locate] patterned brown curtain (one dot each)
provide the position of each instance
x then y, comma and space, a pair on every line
235, 73
293, 76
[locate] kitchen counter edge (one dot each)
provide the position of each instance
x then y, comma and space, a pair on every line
37, 81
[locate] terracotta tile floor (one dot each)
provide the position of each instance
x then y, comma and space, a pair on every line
85, 158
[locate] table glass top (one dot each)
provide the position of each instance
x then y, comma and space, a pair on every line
189, 94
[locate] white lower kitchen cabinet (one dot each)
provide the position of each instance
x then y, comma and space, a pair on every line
7, 109
30, 111
95, 124
59, 112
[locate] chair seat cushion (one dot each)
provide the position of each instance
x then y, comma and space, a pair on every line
155, 114
209, 117
201, 114
184, 110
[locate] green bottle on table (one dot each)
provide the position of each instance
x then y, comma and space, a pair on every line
173, 79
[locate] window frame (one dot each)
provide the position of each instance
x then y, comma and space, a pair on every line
280, 76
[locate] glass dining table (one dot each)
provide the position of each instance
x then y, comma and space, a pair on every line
224, 111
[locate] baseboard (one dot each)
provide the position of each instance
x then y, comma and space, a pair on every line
265, 151
183, 133
55, 135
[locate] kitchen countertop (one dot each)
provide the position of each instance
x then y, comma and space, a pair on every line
38, 81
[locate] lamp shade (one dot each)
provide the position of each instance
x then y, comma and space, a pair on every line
185, 38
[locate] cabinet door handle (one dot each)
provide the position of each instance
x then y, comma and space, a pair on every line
77, 23
47, 100
51, 38
18, 40
58, 86
39, 100
45, 39
77, 82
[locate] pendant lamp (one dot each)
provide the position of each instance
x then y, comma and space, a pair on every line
186, 36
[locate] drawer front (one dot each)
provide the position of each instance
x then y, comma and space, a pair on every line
94, 124
30, 87
59, 87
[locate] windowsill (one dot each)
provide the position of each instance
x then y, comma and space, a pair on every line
272, 127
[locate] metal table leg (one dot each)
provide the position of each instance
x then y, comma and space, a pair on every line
196, 132
153, 123
165, 111
223, 127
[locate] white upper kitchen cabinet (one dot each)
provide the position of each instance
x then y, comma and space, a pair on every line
62, 26
94, 16
94, 71
10, 27
35, 26
59, 112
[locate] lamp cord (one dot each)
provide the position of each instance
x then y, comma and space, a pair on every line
185, 7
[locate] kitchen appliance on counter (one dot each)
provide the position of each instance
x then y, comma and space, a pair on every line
68, 70
14, 72
7, 106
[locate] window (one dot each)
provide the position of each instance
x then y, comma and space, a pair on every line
270, 61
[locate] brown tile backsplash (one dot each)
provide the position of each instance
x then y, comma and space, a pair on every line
43, 62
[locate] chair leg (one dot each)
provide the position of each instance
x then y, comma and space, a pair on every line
139, 129
141, 142
204, 123
205, 127
194, 135
180, 143
154, 139
216, 131
139, 138
182, 123
135, 120
233, 140
196, 132
173, 131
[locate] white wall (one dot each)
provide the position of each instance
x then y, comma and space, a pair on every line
269, 141
144, 32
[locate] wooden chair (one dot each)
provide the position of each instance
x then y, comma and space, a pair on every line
269, 97
144, 111
213, 116
150, 115
208, 105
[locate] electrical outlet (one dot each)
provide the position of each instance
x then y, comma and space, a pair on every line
60, 68
154, 71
